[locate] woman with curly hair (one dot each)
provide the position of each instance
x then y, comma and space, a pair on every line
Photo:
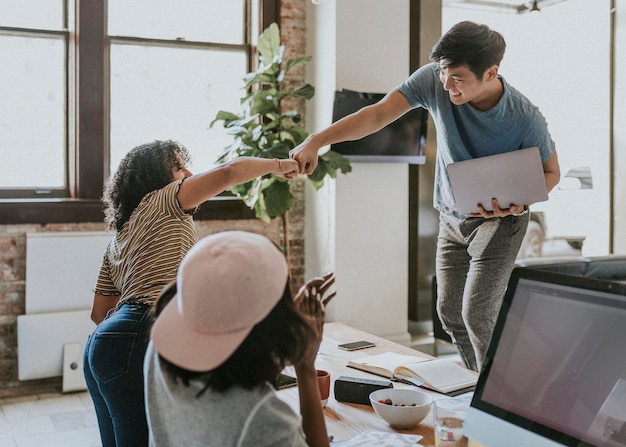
149, 203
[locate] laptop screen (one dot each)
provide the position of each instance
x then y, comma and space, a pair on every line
557, 362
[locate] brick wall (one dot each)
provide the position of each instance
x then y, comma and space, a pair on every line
13, 238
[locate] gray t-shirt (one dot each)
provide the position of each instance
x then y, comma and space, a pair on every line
238, 417
464, 132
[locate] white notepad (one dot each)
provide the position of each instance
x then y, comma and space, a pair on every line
514, 178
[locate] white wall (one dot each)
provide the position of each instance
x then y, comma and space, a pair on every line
619, 132
372, 44
321, 72
559, 58
358, 226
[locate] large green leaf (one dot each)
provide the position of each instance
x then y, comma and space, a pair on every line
260, 211
262, 106
277, 149
306, 91
260, 78
237, 130
241, 190
249, 192
278, 198
257, 132
269, 44
328, 164
291, 63
225, 116
265, 95
298, 134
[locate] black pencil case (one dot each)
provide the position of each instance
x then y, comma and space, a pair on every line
356, 390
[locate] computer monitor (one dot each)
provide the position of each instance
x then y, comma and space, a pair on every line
402, 141
555, 371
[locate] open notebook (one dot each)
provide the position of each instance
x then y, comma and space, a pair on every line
441, 375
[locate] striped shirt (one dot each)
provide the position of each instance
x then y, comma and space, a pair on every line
145, 254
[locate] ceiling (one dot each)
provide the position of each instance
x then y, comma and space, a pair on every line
503, 6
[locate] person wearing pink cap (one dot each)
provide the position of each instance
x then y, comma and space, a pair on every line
149, 204
218, 346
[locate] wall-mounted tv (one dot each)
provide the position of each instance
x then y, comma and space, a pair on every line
402, 141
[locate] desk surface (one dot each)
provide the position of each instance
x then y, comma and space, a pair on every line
344, 420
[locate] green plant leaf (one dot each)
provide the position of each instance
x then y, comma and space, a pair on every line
241, 190
317, 183
259, 78
262, 105
236, 130
277, 149
277, 198
337, 161
260, 211
298, 134
257, 132
328, 164
225, 116
249, 192
306, 91
269, 44
294, 62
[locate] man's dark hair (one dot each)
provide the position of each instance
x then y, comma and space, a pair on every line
144, 169
273, 343
471, 44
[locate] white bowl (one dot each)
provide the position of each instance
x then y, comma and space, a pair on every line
416, 406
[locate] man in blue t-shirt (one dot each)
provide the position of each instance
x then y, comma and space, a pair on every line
476, 113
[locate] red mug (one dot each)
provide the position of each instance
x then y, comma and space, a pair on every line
323, 382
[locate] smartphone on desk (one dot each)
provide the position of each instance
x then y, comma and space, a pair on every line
285, 381
353, 346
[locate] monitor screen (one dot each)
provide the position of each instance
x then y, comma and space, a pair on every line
556, 366
402, 141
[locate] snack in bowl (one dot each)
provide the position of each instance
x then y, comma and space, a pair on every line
401, 407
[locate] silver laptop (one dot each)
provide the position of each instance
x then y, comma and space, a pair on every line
514, 177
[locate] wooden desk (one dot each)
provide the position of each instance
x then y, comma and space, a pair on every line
344, 420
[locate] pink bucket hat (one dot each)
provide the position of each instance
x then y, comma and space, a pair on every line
227, 283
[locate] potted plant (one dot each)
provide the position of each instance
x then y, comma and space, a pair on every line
263, 129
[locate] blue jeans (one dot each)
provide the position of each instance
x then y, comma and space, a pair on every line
475, 258
113, 367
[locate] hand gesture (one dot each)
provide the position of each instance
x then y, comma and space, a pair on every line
306, 156
311, 300
287, 169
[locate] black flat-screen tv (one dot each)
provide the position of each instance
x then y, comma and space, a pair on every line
402, 141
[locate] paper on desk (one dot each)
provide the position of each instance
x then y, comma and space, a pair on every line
380, 439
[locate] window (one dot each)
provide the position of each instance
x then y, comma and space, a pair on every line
33, 93
76, 100
172, 71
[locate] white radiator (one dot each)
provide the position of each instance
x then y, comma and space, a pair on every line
41, 339
61, 271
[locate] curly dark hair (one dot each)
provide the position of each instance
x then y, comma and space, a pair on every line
471, 44
144, 169
278, 339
